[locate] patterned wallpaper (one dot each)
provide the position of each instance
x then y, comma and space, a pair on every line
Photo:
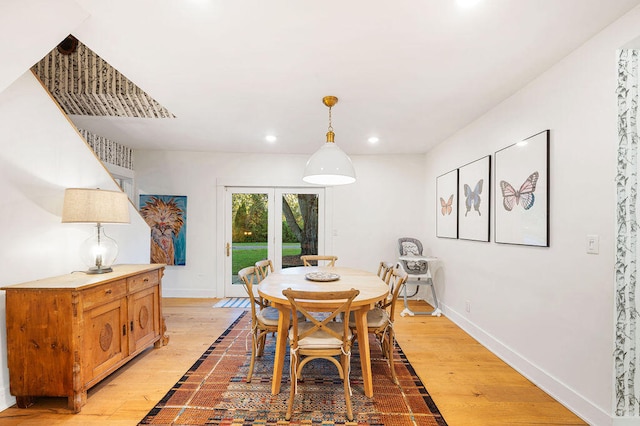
627, 334
85, 84
82, 83
109, 151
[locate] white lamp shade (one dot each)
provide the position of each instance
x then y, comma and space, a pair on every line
85, 205
329, 166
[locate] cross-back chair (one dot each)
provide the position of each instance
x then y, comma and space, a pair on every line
264, 318
380, 319
309, 259
384, 270
263, 268
312, 338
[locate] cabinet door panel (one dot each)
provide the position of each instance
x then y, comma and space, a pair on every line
144, 318
39, 342
105, 339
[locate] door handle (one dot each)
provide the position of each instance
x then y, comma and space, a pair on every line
228, 249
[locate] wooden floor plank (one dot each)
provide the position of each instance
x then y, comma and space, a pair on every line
469, 385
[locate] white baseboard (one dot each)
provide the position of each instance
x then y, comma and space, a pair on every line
575, 402
194, 294
6, 399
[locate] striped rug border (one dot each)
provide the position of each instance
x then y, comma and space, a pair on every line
233, 302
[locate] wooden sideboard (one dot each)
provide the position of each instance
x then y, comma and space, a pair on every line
66, 333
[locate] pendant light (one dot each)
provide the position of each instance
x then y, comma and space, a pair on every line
329, 165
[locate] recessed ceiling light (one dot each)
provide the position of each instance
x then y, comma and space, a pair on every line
373, 139
271, 138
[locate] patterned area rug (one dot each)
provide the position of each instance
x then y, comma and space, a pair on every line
214, 391
233, 302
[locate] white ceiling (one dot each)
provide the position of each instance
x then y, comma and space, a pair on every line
410, 72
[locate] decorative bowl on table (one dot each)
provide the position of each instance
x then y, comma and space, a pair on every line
322, 276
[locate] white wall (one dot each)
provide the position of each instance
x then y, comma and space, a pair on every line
41, 154
366, 217
548, 311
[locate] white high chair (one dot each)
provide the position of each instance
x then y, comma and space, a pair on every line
417, 268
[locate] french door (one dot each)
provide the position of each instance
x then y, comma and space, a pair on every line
270, 223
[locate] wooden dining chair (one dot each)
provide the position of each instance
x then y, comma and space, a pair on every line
308, 259
384, 270
380, 318
263, 268
264, 318
313, 338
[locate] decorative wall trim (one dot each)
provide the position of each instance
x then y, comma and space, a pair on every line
109, 151
626, 401
85, 84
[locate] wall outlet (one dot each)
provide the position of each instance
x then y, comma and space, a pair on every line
467, 306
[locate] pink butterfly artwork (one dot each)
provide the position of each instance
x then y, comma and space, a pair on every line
524, 196
447, 206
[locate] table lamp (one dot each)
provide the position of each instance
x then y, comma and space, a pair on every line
85, 205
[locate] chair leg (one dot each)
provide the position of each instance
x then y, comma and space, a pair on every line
435, 297
390, 356
294, 380
261, 342
347, 395
254, 348
381, 337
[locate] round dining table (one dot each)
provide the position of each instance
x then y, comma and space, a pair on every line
323, 278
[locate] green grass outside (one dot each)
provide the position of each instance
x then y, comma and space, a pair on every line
243, 258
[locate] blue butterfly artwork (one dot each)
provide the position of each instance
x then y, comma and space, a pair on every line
473, 197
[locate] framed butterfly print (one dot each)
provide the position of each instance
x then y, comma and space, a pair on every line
522, 192
474, 188
447, 205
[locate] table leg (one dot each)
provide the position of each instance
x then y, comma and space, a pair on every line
363, 347
281, 347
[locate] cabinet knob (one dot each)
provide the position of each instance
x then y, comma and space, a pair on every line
107, 291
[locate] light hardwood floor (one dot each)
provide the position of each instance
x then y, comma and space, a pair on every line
469, 385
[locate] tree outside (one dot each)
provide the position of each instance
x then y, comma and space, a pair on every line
250, 229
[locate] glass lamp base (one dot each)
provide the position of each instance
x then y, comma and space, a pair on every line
99, 252
96, 270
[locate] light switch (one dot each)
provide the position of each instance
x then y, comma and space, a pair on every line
593, 244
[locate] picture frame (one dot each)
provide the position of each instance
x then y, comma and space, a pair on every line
447, 205
522, 192
474, 187
166, 215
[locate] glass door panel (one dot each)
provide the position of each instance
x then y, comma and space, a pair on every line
300, 220
248, 231
252, 232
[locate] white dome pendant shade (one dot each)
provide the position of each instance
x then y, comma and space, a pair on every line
329, 165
